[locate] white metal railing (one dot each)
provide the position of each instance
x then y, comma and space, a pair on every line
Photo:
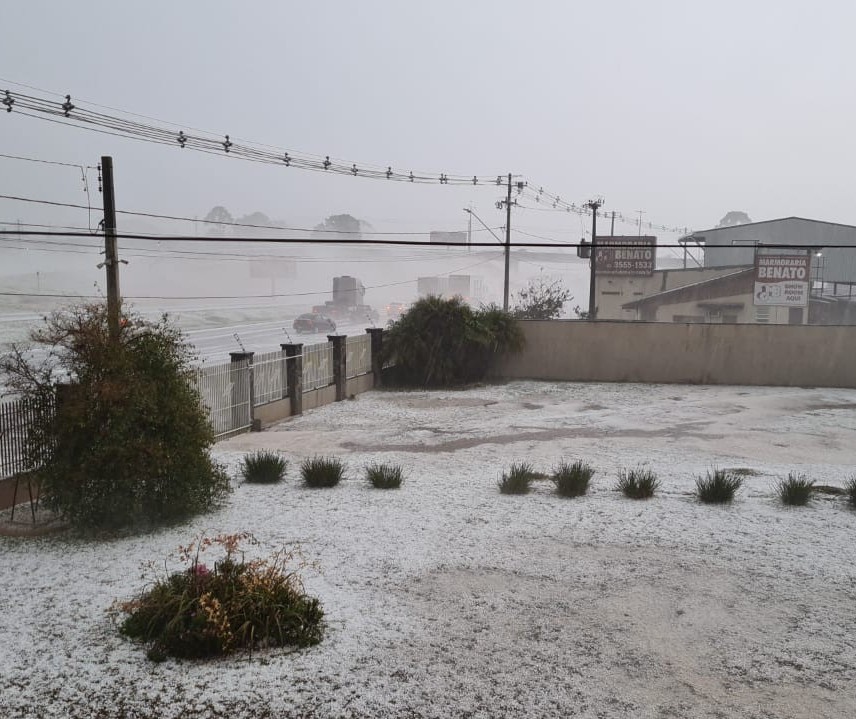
317, 366
269, 377
225, 392
358, 355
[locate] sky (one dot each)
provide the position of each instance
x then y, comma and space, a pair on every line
680, 110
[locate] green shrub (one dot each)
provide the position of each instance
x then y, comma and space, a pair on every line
850, 489
638, 483
385, 476
236, 605
796, 490
718, 487
572, 480
263, 467
127, 443
517, 479
439, 343
322, 471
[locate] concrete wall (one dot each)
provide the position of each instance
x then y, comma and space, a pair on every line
281, 409
799, 355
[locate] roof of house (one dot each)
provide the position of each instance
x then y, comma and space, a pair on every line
695, 290
768, 222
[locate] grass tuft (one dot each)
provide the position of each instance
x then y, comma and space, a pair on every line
718, 487
850, 489
517, 479
796, 490
322, 471
263, 467
385, 476
572, 479
638, 483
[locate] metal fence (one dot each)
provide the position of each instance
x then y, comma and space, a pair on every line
16, 418
269, 377
225, 393
317, 366
358, 355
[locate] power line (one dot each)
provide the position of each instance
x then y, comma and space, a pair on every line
67, 113
179, 218
30, 243
237, 297
554, 203
45, 162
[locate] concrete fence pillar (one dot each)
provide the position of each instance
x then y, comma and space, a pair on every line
340, 365
376, 334
243, 389
294, 375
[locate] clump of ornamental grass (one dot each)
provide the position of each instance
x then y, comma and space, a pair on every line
322, 471
718, 486
234, 604
796, 490
572, 479
639, 483
850, 490
263, 467
385, 476
517, 479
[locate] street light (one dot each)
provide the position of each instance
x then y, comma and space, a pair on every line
505, 281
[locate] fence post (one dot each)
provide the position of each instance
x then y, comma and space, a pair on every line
238, 375
294, 375
376, 334
340, 368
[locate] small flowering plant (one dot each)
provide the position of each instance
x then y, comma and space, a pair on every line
239, 604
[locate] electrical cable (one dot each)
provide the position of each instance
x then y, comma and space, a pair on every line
239, 297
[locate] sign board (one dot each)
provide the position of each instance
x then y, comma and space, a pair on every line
455, 238
629, 256
781, 280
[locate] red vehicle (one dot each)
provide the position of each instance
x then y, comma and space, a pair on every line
313, 323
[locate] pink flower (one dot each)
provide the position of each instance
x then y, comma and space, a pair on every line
200, 570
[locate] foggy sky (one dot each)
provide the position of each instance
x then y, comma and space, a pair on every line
685, 110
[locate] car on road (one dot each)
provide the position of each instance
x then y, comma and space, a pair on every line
394, 310
313, 322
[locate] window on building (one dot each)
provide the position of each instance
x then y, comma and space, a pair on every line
762, 315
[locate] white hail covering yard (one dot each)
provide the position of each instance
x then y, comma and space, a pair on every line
447, 599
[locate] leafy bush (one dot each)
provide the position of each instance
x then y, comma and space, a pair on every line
517, 479
385, 476
239, 604
127, 442
263, 467
796, 490
322, 471
850, 489
572, 480
638, 483
718, 487
440, 343
541, 299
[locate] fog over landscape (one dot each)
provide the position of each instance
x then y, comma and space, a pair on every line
674, 114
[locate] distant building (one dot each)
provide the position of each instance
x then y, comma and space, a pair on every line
787, 271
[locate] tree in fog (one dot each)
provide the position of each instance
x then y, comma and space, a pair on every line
735, 217
348, 224
541, 299
222, 217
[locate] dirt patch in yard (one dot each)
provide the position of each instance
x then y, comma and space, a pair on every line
538, 435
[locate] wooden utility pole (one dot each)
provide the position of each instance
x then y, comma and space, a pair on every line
507, 244
594, 206
111, 253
